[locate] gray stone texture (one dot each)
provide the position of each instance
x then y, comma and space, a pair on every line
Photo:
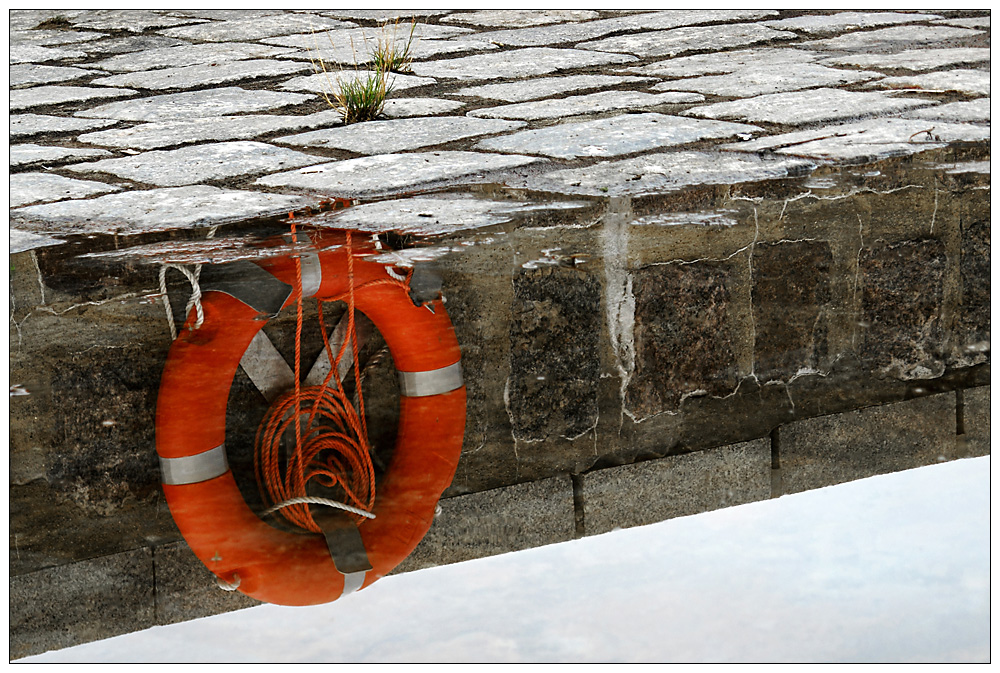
81, 602
27, 188
188, 54
186, 589
32, 124
656, 490
689, 39
516, 63
960, 111
976, 419
847, 21
37, 96
329, 82
208, 103
386, 137
863, 443
499, 521
241, 28
190, 76
26, 74
542, 87
603, 101
519, 18
200, 163
915, 59
973, 82
896, 37
613, 136
33, 53
136, 21
31, 153
21, 241
418, 107
973, 325
787, 58
755, 82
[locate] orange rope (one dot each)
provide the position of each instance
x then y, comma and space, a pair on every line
335, 448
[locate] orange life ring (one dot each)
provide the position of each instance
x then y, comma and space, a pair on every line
269, 564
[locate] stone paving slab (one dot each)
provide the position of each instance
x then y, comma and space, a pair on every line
613, 136
190, 76
666, 172
32, 153
196, 104
786, 58
32, 53
915, 59
971, 22
28, 188
846, 21
244, 28
388, 173
200, 163
961, 111
975, 82
804, 107
419, 107
328, 82
36, 96
692, 38
756, 82
542, 87
604, 101
32, 124
135, 21
517, 63
188, 54
865, 141
897, 36
519, 18
21, 241
386, 137
155, 135
30, 73
141, 211
130, 44
592, 30
432, 215
359, 55
316, 41
48, 38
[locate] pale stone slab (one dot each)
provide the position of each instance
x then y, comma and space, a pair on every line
33, 53
759, 81
432, 215
692, 38
845, 21
130, 43
804, 107
785, 58
382, 15
198, 163
31, 124
155, 135
387, 173
516, 63
49, 38
386, 137
188, 54
30, 153
196, 104
543, 87
226, 14
591, 30
419, 107
26, 188
519, 18
966, 167
21, 241
915, 59
602, 101
971, 22
23, 99
358, 55
328, 82
359, 37
966, 81
865, 141
132, 20
26, 19
961, 111
246, 28
896, 36
140, 211
668, 171
29, 73
190, 76
624, 134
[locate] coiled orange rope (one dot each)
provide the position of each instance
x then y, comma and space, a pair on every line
331, 436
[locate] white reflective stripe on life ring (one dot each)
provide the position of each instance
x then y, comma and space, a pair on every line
195, 469
433, 382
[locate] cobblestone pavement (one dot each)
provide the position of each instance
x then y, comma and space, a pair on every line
143, 120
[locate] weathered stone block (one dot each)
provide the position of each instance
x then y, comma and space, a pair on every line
81, 602
901, 301
185, 589
496, 522
655, 490
828, 450
791, 288
976, 421
972, 331
683, 344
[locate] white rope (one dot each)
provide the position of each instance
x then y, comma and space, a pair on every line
310, 500
194, 300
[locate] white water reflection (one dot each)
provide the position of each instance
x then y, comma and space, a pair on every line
892, 568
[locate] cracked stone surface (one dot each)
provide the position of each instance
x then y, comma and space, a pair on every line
897, 36
517, 63
327, 83
753, 82
188, 54
36, 96
804, 107
32, 153
33, 53
198, 163
202, 75
386, 137
846, 21
788, 59
915, 59
419, 107
594, 103
28, 188
541, 87
30, 73
33, 124
196, 104
520, 18
975, 82
140, 211
613, 136
693, 38
388, 173
135, 21
20, 241
240, 28
961, 111
346, 53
